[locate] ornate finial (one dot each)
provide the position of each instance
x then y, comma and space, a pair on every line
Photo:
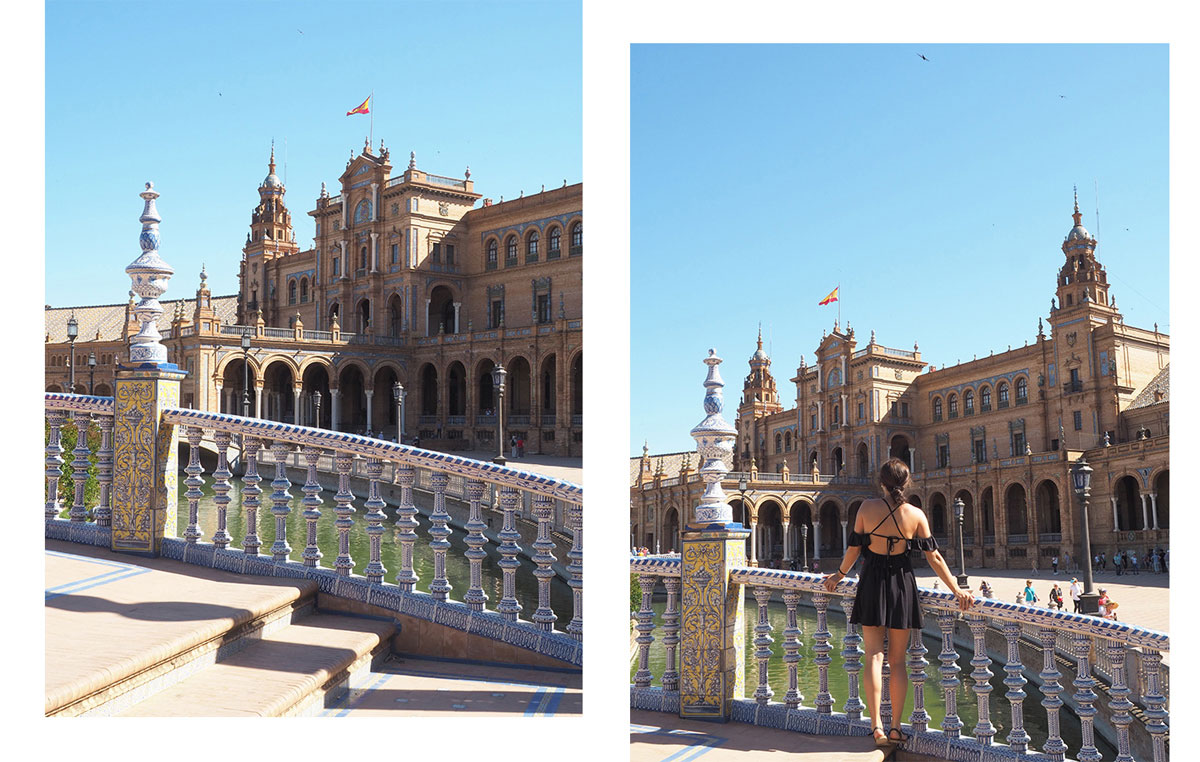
366, 145
381, 149
522, 193
564, 182
272, 163
468, 174
1075, 188
203, 273
1040, 328
150, 275
714, 443
543, 187
760, 335
645, 448
915, 347
324, 193
412, 159
872, 336
835, 325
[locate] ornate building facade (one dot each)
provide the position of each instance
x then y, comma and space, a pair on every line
999, 433
412, 280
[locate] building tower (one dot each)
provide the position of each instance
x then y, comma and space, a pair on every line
270, 237
759, 398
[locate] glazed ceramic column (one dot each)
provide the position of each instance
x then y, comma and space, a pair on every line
375, 518
439, 531
852, 656
713, 642
476, 597
822, 649
104, 472
54, 462
951, 724
575, 569
280, 501
406, 527
670, 675
1156, 712
985, 731
343, 564
762, 645
312, 507
221, 537
194, 482
1119, 704
1085, 698
543, 511
1018, 739
509, 607
1051, 687
916, 665
645, 630
791, 649
250, 493
145, 494
79, 466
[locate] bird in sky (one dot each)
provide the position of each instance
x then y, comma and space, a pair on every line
1062, 96
301, 31
922, 55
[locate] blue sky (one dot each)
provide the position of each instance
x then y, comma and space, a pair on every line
189, 95
937, 193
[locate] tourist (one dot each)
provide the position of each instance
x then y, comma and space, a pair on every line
886, 598
1033, 565
1067, 562
1054, 563
512, 443
1056, 601
520, 447
1030, 596
1076, 591
986, 590
1103, 560
1102, 601
1133, 564
1158, 561
1118, 560
1110, 610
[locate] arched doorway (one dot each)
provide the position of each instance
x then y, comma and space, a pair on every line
278, 397
968, 524
364, 316
429, 392
1015, 511
352, 404
485, 400
395, 315
864, 460
519, 392
238, 395
1045, 503
831, 530
770, 534
670, 536
838, 462
316, 379
548, 388
442, 315
1129, 504
800, 515
938, 525
577, 385
384, 416
456, 389
902, 449
987, 514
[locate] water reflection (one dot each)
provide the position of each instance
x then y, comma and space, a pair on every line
458, 571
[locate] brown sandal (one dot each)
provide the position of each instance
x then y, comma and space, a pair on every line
881, 739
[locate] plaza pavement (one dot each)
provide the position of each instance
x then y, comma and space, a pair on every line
554, 466
1143, 598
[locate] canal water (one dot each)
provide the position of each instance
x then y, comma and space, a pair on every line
777, 678
458, 570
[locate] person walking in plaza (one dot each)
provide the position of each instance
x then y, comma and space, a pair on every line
1056, 601
1076, 591
1030, 596
1133, 562
512, 442
1117, 562
1103, 561
1054, 563
885, 602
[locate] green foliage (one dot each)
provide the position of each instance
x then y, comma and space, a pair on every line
635, 593
66, 487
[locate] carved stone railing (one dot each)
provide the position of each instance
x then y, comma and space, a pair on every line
1126, 650
269, 447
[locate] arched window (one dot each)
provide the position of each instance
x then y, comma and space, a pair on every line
555, 238
778, 443
787, 441
952, 403
362, 212
837, 413
291, 292
969, 402
303, 290
531, 247
362, 258
492, 253
985, 399
1002, 393
937, 408
510, 250
1022, 390
577, 238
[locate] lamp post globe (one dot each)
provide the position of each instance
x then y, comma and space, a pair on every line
91, 373
1081, 476
72, 334
398, 394
959, 509
498, 376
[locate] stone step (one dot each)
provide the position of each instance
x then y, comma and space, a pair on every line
297, 670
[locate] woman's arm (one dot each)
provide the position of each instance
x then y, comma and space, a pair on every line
847, 562
938, 564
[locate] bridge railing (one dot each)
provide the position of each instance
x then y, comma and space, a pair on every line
267, 443
1118, 643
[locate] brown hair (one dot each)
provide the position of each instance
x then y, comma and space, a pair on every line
894, 478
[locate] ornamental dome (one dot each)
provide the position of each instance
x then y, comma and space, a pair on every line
272, 181
1079, 233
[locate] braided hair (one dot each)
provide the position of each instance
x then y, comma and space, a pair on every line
894, 478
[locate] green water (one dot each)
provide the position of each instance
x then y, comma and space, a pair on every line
806, 674
458, 570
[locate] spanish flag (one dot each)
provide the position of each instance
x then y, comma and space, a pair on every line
365, 108
833, 297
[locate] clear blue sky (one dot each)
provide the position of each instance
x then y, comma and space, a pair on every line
937, 193
189, 95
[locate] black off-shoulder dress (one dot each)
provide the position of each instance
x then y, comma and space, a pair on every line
887, 588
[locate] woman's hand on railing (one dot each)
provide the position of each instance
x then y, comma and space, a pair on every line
964, 597
831, 581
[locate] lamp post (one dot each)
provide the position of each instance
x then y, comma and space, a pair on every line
246, 375
316, 398
398, 394
959, 507
498, 374
804, 545
1081, 474
72, 334
92, 373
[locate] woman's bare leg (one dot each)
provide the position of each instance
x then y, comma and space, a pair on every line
873, 673
898, 675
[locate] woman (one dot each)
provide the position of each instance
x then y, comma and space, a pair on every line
1056, 601
1030, 596
886, 600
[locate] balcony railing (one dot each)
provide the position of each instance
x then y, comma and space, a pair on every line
265, 443
1124, 650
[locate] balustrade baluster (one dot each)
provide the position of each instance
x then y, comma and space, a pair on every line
885, 687
822, 649
79, 466
1120, 705
250, 493
1051, 687
406, 524
509, 607
221, 487
375, 518
439, 586
1085, 698
543, 511
54, 462
343, 564
280, 501
949, 670
104, 471
917, 664
476, 598
670, 676
575, 568
762, 645
984, 730
194, 482
644, 627
312, 507
1018, 739
852, 656
1156, 702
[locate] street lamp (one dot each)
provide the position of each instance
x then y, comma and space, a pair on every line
92, 373
72, 334
498, 374
316, 398
399, 394
246, 375
804, 545
959, 506
1081, 473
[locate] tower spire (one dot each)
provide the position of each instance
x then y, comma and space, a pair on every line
272, 163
